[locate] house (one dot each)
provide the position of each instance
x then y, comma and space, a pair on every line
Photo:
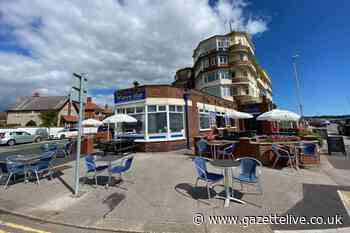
26, 111
3, 116
92, 110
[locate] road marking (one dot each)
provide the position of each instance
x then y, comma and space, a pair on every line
20, 227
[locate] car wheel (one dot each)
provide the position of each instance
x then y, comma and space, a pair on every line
38, 139
11, 142
62, 136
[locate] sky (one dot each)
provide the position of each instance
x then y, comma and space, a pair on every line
118, 41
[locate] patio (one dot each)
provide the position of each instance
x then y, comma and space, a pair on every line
158, 195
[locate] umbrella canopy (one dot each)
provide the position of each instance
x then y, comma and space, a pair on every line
240, 115
278, 115
91, 122
118, 118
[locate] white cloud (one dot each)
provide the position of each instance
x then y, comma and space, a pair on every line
114, 43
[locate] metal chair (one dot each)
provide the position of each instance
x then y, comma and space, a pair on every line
13, 168
202, 174
126, 165
44, 164
284, 154
202, 147
250, 172
228, 152
92, 168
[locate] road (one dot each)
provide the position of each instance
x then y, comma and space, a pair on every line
10, 223
32, 148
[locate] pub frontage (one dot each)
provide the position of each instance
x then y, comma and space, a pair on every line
167, 114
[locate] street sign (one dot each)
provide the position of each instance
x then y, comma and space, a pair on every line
78, 94
75, 95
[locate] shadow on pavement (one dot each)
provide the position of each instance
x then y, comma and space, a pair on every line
319, 200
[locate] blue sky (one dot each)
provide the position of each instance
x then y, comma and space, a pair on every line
118, 43
319, 32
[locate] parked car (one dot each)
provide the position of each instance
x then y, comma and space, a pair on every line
43, 133
67, 133
15, 137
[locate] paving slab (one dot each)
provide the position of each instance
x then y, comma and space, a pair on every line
159, 195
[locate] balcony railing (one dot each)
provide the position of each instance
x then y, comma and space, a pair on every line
240, 80
240, 48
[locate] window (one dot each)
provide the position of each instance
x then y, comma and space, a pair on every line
225, 74
161, 108
212, 77
234, 91
152, 108
179, 108
241, 56
172, 108
246, 91
204, 121
138, 114
226, 91
140, 109
220, 121
222, 60
157, 122
120, 110
214, 90
213, 61
130, 110
176, 121
233, 74
245, 73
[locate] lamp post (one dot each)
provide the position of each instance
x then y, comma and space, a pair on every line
187, 128
297, 85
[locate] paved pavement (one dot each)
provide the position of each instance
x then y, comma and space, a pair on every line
159, 196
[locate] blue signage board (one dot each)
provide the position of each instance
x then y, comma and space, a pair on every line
127, 95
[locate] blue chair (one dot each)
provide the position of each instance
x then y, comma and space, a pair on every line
227, 152
202, 147
126, 165
250, 172
202, 174
68, 148
284, 154
44, 164
13, 168
92, 168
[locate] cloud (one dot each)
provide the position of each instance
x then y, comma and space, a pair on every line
115, 42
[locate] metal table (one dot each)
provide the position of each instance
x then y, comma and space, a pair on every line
109, 158
26, 160
214, 144
226, 165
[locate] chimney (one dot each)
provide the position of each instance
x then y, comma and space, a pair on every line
36, 94
89, 99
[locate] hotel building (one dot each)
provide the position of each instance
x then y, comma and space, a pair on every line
225, 77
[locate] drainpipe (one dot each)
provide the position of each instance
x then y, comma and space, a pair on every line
186, 96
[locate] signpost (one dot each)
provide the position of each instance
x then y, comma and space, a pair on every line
78, 94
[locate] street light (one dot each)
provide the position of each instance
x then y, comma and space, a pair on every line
297, 84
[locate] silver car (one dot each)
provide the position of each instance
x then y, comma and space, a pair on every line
15, 137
